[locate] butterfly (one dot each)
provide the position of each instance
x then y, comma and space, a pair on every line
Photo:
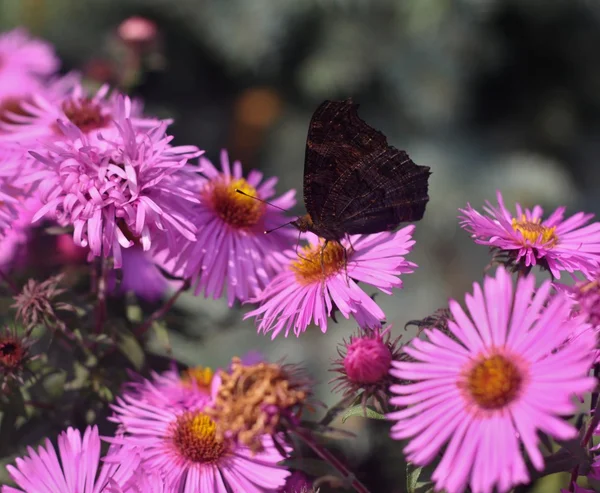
354, 182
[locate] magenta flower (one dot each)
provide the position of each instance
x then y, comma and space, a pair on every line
232, 250
127, 191
312, 282
184, 449
20, 54
76, 468
188, 390
506, 374
556, 244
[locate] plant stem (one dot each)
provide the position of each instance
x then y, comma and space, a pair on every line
141, 330
331, 459
593, 424
101, 293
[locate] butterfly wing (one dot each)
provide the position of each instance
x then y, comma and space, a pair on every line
353, 181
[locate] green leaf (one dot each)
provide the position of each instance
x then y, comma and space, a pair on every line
131, 349
364, 412
414, 482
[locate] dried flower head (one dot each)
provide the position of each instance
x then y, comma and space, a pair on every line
14, 354
36, 302
364, 364
257, 400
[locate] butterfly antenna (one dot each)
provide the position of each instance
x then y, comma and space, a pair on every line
260, 200
278, 227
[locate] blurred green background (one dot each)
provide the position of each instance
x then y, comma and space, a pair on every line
490, 94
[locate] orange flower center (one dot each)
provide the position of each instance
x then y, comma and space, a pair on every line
195, 436
237, 210
533, 231
317, 263
85, 114
494, 381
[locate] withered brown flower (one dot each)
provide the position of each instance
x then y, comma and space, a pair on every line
254, 400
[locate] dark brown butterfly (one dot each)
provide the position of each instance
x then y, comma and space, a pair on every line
354, 182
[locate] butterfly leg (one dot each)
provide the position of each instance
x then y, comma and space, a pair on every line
298, 246
323, 266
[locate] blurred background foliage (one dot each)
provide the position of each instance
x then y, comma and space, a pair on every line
491, 94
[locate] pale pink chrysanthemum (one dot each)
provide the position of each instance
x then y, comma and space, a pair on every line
24, 55
188, 390
183, 448
37, 121
75, 469
318, 278
232, 251
554, 243
505, 375
127, 191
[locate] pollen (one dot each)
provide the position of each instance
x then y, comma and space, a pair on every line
237, 210
85, 114
533, 231
318, 263
200, 376
195, 437
494, 381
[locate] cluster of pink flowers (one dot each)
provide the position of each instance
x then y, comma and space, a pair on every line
99, 167
475, 392
165, 442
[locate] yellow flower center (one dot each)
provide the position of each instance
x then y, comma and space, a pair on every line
318, 263
494, 382
533, 230
195, 436
238, 210
200, 376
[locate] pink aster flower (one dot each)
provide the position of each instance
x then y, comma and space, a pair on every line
146, 482
21, 54
232, 250
76, 468
486, 392
554, 243
128, 189
188, 390
316, 279
184, 449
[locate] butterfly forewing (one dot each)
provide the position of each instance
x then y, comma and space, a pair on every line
354, 183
